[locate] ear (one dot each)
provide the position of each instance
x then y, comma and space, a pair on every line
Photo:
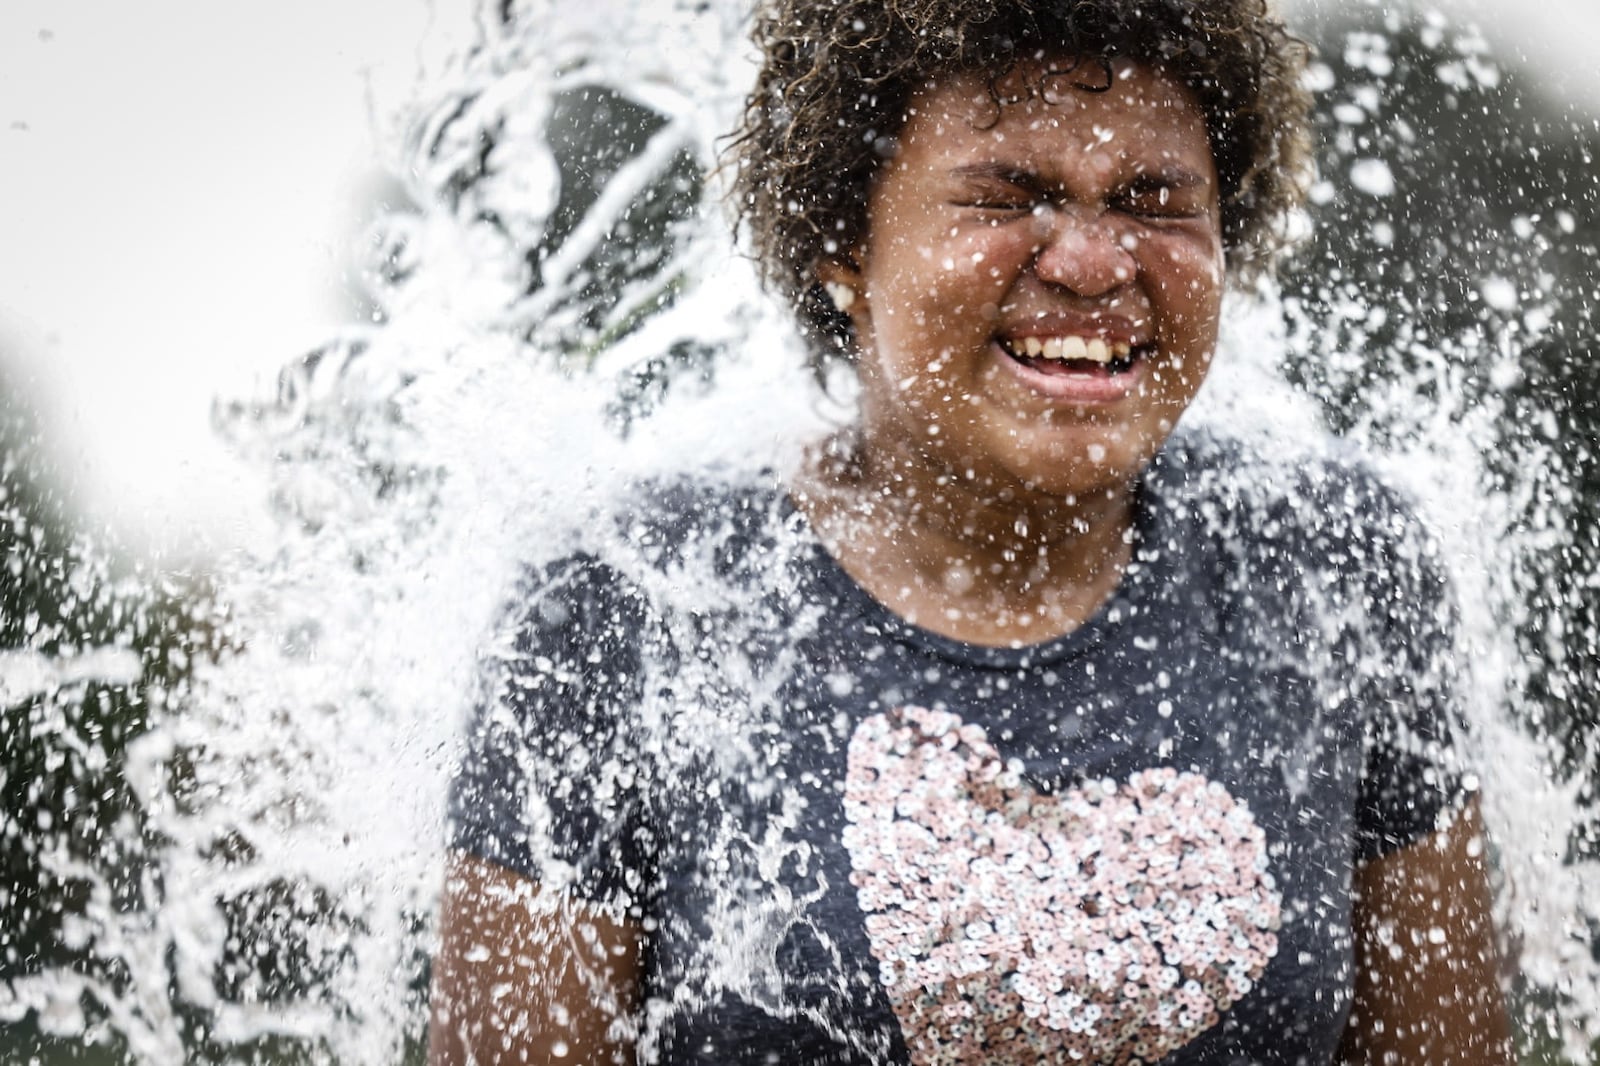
841, 280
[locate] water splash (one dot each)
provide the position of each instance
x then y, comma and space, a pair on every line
1458, 354
561, 319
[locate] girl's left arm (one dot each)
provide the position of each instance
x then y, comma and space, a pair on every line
1427, 981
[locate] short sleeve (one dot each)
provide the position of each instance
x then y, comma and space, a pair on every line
551, 781
1408, 688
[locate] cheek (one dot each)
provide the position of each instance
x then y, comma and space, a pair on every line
1186, 278
956, 257
954, 296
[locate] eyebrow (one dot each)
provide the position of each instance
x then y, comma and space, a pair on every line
995, 172
1173, 175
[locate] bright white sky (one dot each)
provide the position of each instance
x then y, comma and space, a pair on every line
182, 181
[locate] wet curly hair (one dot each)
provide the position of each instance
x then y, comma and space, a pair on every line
836, 76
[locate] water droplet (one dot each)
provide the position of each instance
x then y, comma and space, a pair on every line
1373, 177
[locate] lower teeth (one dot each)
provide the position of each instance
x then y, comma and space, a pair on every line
1118, 365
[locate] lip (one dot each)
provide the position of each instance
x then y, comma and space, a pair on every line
1086, 388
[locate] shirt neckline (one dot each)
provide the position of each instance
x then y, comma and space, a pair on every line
1145, 570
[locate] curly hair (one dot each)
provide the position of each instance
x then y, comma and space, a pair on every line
836, 75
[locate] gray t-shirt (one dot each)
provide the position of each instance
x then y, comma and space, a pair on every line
854, 841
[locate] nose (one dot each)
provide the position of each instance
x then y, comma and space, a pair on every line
1081, 249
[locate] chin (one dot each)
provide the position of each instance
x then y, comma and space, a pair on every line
1080, 472
1080, 488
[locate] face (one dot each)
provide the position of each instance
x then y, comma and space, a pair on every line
1036, 299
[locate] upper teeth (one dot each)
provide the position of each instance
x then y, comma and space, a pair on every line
1095, 349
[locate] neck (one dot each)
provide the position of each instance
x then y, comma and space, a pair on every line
985, 563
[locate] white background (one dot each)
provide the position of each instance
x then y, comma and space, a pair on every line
181, 186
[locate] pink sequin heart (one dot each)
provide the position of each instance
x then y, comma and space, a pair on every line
1113, 923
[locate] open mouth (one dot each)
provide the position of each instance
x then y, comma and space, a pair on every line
1073, 354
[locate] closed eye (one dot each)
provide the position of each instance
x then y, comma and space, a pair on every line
987, 187
1006, 198
1009, 204
1154, 196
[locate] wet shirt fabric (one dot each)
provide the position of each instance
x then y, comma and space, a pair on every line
854, 841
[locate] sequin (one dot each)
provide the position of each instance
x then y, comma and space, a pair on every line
1109, 924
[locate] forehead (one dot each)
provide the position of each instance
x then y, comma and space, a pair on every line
1057, 104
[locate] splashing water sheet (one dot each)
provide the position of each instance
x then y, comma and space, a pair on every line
563, 318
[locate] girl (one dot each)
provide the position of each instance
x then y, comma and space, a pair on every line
1045, 732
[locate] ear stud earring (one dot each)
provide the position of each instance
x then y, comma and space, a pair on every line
843, 296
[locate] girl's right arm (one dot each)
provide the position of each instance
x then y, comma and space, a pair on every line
529, 977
